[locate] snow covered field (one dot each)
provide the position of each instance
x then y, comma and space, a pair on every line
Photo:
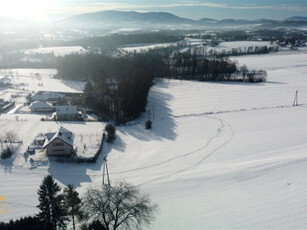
219, 156
139, 48
25, 81
57, 50
228, 46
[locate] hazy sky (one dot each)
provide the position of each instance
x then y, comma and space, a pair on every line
218, 9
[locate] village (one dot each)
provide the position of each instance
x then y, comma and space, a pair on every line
52, 109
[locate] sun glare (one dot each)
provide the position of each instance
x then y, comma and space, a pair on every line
18, 9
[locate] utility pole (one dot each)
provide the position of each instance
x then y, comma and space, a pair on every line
295, 102
105, 171
148, 115
153, 112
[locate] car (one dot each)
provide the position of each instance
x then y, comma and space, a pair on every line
31, 150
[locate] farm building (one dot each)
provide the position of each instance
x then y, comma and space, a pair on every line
41, 106
47, 96
59, 143
68, 112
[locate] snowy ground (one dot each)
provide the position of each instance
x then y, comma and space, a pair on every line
57, 50
228, 46
139, 48
29, 80
25, 81
219, 156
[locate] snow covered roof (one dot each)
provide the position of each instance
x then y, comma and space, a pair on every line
65, 110
63, 134
45, 96
5, 79
40, 105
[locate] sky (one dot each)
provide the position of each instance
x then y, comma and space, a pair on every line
217, 9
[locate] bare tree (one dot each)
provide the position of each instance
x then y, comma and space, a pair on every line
121, 206
10, 136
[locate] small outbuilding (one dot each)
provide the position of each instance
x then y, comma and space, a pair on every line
59, 143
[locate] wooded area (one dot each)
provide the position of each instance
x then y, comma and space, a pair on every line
117, 87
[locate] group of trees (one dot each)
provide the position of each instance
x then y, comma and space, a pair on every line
113, 41
193, 67
120, 206
116, 88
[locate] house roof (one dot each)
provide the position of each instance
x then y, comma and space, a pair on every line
40, 105
5, 79
62, 134
45, 96
66, 110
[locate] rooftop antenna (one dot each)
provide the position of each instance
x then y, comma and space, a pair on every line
105, 172
295, 102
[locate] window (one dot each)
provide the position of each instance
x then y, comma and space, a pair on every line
57, 144
58, 150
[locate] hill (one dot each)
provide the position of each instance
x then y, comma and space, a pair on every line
297, 18
123, 18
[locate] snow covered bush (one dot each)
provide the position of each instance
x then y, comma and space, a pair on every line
111, 130
6, 153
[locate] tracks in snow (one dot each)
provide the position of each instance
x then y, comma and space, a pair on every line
196, 164
219, 131
205, 157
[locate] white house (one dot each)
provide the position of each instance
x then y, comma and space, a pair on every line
6, 79
41, 106
59, 143
68, 112
46, 96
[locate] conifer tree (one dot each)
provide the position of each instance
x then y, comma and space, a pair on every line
72, 204
52, 212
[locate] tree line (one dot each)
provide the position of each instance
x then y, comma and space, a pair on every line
117, 87
118, 206
189, 66
109, 42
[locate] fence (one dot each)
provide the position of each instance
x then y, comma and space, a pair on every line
84, 160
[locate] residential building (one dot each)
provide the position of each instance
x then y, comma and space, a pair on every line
68, 112
41, 106
59, 143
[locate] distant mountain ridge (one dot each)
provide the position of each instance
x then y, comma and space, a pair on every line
151, 20
112, 17
297, 18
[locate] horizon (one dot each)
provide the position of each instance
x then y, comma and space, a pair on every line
52, 10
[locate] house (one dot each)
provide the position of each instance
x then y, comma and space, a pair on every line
41, 106
59, 143
6, 79
68, 112
47, 96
